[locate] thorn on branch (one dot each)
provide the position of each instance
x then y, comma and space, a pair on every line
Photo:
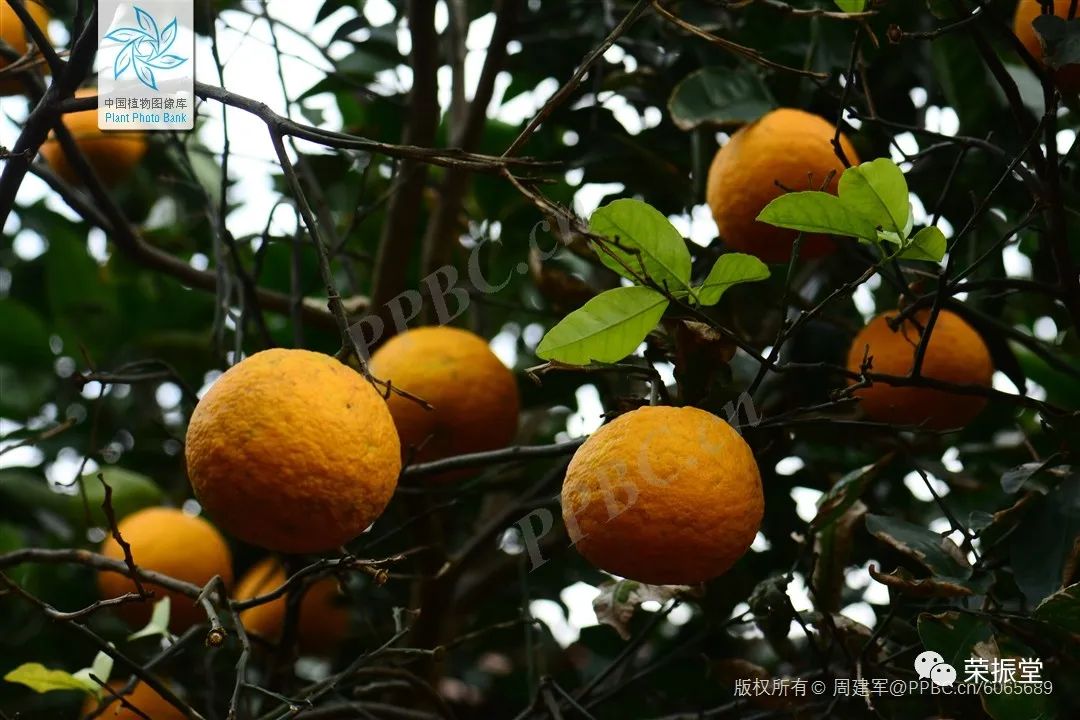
129, 560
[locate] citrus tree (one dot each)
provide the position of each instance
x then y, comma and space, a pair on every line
535, 359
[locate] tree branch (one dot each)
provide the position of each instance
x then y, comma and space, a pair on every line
571, 85
455, 184
45, 115
398, 239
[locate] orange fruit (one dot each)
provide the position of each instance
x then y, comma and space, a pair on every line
114, 155
292, 451
323, 621
14, 34
176, 544
474, 396
786, 146
664, 496
1068, 77
955, 354
143, 697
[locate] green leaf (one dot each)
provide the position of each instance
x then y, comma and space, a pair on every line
834, 543
1029, 476
101, 668
364, 63
207, 171
23, 392
904, 581
817, 212
1060, 39
40, 679
719, 97
606, 329
845, 492
730, 270
773, 611
82, 296
851, 6
878, 191
159, 621
938, 554
1041, 549
330, 7
897, 238
12, 538
131, 492
928, 244
962, 77
646, 243
1062, 609
1061, 387
953, 635
23, 335
941, 9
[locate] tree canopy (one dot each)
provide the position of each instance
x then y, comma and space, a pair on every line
537, 172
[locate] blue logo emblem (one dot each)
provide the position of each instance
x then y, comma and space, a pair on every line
145, 49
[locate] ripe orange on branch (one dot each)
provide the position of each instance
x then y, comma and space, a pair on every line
784, 150
955, 354
14, 33
293, 451
473, 395
664, 496
143, 697
323, 621
173, 543
114, 155
1067, 77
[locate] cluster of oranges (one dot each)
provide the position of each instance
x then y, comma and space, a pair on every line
790, 149
295, 452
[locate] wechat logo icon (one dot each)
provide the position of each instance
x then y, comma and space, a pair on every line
930, 665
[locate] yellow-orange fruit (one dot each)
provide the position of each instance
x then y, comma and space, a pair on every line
323, 621
786, 148
664, 496
1068, 77
173, 543
955, 354
292, 451
14, 34
474, 396
143, 697
114, 155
